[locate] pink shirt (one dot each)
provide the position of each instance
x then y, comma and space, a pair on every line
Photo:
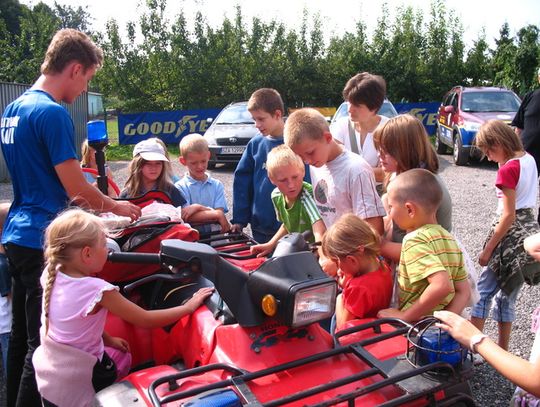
72, 299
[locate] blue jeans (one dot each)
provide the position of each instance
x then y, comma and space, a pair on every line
4, 343
25, 266
505, 305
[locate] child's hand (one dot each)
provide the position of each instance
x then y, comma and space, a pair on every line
457, 326
237, 228
484, 257
328, 266
262, 250
118, 343
390, 313
532, 245
198, 298
224, 223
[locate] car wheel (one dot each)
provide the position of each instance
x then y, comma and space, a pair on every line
439, 145
461, 156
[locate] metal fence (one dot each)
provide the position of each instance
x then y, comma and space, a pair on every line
78, 111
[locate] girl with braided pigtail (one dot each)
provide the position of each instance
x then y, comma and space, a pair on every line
75, 306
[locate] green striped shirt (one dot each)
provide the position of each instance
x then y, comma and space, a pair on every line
425, 251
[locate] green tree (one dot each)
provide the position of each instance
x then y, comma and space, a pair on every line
478, 62
526, 59
503, 59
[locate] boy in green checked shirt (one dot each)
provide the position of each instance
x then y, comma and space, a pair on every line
292, 199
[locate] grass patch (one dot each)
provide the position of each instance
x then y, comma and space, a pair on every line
124, 152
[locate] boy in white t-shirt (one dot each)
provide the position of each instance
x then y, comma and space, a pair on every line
342, 182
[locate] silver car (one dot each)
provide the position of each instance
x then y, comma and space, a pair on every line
387, 109
229, 134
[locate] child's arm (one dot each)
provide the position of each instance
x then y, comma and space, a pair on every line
115, 342
266, 248
189, 211
342, 314
127, 310
319, 229
461, 297
519, 371
508, 216
390, 250
377, 223
209, 215
438, 288
532, 245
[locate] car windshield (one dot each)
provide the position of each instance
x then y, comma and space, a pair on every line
235, 115
489, 102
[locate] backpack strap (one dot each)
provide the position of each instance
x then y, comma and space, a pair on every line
352, 138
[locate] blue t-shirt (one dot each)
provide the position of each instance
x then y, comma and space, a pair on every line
209, 192
36, 135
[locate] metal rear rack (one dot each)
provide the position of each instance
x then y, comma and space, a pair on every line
395, 371
240, 241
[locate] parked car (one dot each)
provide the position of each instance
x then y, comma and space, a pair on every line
229, 134
387, 109
462, 112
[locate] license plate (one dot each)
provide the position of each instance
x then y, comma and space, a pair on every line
232, 150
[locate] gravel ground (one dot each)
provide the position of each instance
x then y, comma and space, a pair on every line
474, 204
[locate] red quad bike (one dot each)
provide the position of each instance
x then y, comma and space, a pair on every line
257, 340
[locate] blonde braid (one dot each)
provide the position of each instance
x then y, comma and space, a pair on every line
52, 272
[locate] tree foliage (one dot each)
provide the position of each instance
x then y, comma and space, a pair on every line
180, 62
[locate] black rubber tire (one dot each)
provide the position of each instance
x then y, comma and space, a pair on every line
440, 147
461, 156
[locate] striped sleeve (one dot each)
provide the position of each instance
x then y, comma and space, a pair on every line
308, 203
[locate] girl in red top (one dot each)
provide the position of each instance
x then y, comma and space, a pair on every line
365, 278
506, 264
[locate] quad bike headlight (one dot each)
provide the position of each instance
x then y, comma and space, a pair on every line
293, 289
313, 304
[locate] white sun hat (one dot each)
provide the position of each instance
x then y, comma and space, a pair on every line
150, 150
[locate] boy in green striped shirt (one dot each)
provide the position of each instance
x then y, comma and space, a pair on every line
292, 198
431, 273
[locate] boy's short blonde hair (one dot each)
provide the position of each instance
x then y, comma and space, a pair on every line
192, 143
281, 156
418, 186
266, 99
305, 124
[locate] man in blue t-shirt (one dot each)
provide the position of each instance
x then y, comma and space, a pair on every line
37, 140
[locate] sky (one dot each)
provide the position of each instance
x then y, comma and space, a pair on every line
338, 16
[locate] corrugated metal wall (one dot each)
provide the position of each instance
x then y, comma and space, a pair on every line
78, 111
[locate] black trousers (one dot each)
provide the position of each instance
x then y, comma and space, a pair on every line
26, 266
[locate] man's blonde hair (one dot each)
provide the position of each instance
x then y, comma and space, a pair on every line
418, 186
192, 143
281, 156
305, 124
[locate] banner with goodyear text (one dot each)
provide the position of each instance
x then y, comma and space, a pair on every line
426, 112
169, 126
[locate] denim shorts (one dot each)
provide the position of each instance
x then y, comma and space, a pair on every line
504, 309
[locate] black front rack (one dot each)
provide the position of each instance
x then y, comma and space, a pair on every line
241, 242
412, 380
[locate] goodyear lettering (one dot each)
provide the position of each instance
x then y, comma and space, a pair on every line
187, 124
428, 119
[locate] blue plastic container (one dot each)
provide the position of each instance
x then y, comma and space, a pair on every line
97, 133
436, 345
